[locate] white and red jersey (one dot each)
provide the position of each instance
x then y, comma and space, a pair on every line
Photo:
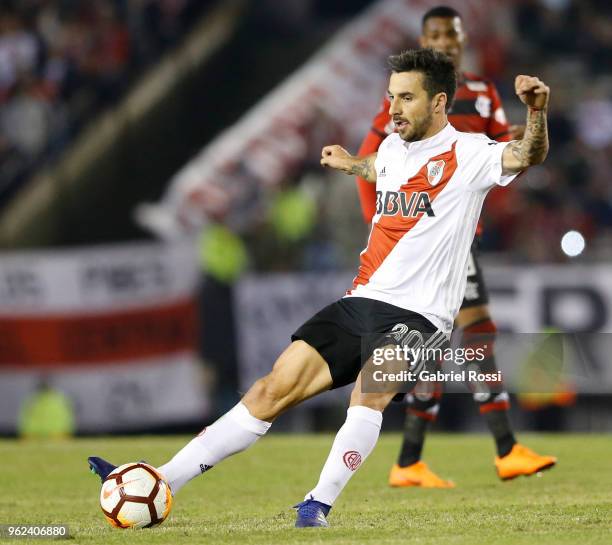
475, 108
429, 195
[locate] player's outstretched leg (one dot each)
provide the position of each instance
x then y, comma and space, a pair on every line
352, 445
513, 459
299, 373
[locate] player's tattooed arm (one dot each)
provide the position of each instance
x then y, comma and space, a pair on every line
533, 147
338, 158
364, 167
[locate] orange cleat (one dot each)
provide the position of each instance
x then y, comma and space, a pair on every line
417, 474
522, 461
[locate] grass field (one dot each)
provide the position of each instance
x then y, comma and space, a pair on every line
247, 499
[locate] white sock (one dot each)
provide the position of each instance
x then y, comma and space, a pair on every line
353, 443
234, 432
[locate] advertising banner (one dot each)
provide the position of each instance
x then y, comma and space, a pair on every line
112, 327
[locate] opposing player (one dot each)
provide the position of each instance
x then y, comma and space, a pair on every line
477, 108
410, 281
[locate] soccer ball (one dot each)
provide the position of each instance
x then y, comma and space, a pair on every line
135, 496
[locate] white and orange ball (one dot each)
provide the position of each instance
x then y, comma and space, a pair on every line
135, 496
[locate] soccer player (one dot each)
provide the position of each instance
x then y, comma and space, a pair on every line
410, 282
478, 109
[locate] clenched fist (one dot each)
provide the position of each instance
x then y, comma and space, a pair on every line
532, 91
335, 157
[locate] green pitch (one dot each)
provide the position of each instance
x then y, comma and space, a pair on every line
247, 499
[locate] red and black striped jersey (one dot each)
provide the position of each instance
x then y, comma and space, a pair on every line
477, 108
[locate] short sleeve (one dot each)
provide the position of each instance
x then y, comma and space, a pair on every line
485, 156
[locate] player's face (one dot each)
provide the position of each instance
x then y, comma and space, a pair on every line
410, 106
445, 34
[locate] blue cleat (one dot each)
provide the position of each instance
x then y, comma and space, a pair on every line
100, 467
311, 513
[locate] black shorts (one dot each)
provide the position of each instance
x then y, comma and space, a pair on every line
476, 293
346, 332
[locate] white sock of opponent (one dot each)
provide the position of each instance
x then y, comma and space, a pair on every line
353, 443
234, 432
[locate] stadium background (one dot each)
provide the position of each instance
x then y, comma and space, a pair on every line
164, 222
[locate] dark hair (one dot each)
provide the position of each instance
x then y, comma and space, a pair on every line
437, 69
444, 12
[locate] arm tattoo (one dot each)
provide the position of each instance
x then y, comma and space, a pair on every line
533, 148
364, 167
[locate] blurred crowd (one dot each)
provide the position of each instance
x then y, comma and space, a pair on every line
569, 45
62, 61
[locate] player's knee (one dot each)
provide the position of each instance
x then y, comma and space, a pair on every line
275, 390
263, 400
266, 390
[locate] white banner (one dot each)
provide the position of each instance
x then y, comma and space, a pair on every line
113, 327
115, 397
95, 279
